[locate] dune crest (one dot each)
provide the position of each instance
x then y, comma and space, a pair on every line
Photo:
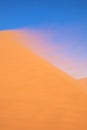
34, 95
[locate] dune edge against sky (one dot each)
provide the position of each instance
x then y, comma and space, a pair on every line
35, 95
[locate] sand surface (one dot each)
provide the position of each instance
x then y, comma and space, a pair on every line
34, 95
83, 82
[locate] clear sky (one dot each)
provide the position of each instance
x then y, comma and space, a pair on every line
66, 20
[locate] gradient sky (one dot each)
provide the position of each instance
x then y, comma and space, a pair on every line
64, 22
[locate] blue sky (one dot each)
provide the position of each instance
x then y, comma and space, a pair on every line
37, 13
66, 18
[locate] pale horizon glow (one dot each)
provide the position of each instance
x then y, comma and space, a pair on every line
41, 42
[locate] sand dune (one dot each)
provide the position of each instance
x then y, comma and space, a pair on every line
34, 95
83, 81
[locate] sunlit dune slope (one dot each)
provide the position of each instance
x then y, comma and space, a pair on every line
34, 95
83, 81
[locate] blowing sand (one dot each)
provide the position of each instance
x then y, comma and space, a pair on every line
34, 95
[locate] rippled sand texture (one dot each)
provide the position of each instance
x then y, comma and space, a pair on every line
34, 95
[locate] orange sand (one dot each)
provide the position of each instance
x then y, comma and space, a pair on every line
83, 82
34, 95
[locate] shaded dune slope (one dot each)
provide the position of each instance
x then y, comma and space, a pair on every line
34, 95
